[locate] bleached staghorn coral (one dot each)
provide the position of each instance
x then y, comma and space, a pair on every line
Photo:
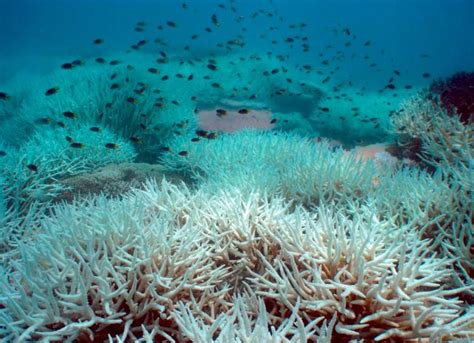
165, 257
240, 326
50, 152
446, 142
311, 173
457, 242
288, 164
416, 196
447, 145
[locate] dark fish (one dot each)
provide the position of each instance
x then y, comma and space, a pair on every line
243, 111
164, 78
61, 124
95, 129
195, 139
165, 148
114, 86
98, 41
76, 145
132, 100
32, 167
3, 153
396, 72
190, 77
171, 24
183, 153
390, 86
153, 70
111, 146
135, 140
221, 112
114, 62
214, 20
51, 91
216, 85
69, 114
100, 60
44, 121
67, 66
367, 43
324, 109
212, 67
426, 75
4, 96
273, 121
201, 133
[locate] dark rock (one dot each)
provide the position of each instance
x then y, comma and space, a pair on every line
114, 180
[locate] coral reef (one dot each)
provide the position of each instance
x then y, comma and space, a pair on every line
277, 163
443, 140
456, 95
32, 172
237, 236
447, 146
170, 263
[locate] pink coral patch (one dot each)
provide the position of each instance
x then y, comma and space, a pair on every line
234, 121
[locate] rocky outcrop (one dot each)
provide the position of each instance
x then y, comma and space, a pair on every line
114, 180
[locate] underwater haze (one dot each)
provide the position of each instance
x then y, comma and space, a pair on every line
236, 171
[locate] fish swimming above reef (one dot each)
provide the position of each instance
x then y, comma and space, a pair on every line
4, 96
52, 91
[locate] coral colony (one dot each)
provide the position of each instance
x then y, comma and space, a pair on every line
130, 212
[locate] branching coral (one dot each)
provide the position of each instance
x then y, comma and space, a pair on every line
430, 201
445, 142
87, 93
239, 326
170, 263
457, 241
32, 172
298, 168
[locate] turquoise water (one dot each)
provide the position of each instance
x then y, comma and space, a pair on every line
215, 170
